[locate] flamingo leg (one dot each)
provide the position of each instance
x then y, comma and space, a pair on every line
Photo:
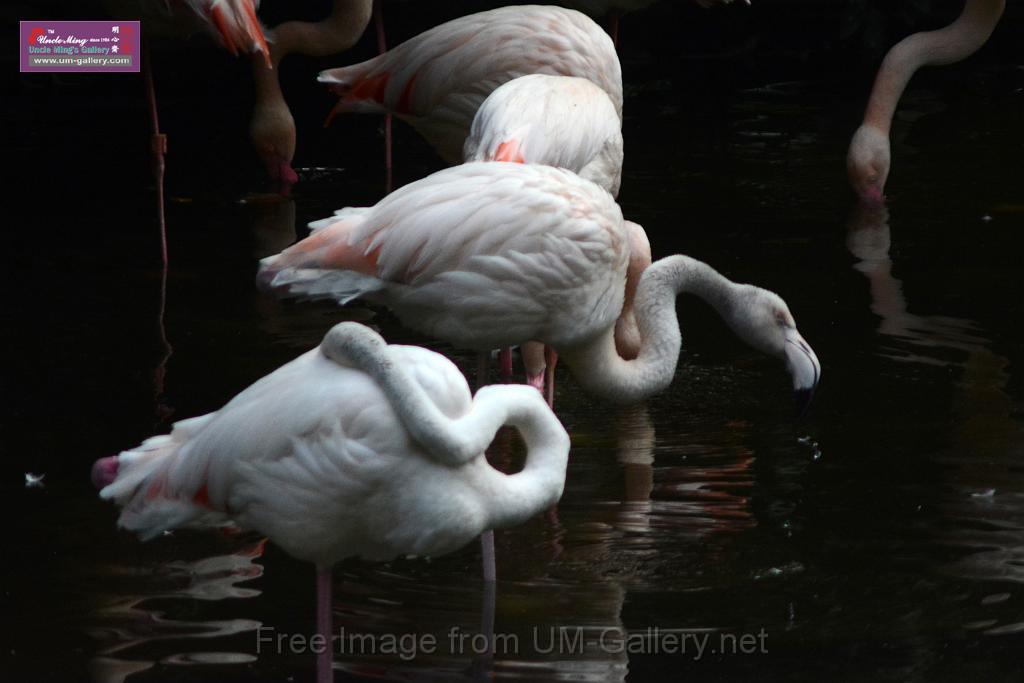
382, 47
486, 538
159, 145
506, 364
324, 659
550, 361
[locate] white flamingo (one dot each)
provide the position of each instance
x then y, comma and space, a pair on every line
559, 121
354, 449
437, 80
488, 255
868, 159
552, 120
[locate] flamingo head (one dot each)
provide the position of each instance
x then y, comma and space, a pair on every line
272, 130
627, 333
867, 164
763, 320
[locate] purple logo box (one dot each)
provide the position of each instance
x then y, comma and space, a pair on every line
80, 46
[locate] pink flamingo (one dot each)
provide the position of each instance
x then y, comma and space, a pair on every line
557, 121
489, 255
868, 160
551, 120
437, 80
354, 449
272, 128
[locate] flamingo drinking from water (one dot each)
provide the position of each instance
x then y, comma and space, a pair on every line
868, 160
559, 121
489, 255
354, 449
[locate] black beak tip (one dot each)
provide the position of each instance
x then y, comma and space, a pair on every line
803, 401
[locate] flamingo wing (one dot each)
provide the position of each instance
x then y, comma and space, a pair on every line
438, 79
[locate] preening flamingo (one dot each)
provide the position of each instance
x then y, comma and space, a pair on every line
437, 80
354, 449
868, 160
272, 128
552, 120
489, 255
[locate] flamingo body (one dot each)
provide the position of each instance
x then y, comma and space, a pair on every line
535, 253
437, 80
489, 255
869, 156
552, 120
330, 459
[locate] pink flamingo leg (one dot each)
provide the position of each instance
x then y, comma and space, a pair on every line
550, 360
382, 47
159, 143
506, 364
483, 364
325, 659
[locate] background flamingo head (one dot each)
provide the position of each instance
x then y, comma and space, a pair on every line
272, 130
867, 164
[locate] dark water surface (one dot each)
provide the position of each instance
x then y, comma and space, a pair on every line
881, 538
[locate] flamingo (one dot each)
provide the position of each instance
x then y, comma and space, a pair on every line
271, 127
868, 159
489, 255
354, 449
437, 80
232, 22
558, 121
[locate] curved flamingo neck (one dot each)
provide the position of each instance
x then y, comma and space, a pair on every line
514, 498
455, 442
339, 31
600, 369
944, 46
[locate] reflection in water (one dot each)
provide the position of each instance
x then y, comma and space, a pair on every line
984, 496
869, 240
128, 623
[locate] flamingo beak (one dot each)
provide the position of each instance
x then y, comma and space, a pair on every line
804, 367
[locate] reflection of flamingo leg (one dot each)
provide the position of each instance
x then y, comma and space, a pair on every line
324, 659
480, 670
382, 47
